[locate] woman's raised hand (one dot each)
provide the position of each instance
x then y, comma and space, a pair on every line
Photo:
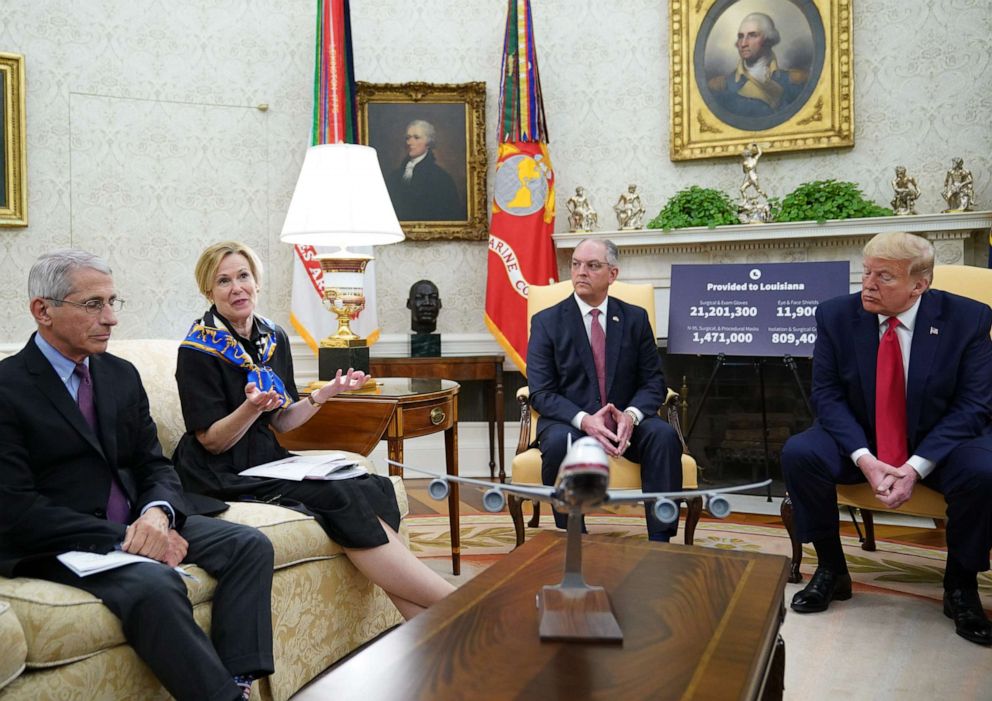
353, 379
262, 401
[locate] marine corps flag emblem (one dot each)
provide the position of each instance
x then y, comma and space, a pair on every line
521, 252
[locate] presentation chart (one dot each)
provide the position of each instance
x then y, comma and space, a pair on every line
760, 309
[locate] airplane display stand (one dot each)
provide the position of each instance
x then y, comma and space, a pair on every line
572, 610
759, 365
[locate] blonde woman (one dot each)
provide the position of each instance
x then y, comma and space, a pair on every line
236, 386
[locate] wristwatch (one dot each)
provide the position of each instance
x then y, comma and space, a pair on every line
633, 416
314, 401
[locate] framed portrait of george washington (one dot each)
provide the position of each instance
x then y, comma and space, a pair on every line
431, 143
777, 73
13, 177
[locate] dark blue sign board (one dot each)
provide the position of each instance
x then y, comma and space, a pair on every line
759, 309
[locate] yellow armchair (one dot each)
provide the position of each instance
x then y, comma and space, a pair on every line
624, 474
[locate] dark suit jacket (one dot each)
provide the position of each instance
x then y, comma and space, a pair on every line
55, 472
561, 373
949, 392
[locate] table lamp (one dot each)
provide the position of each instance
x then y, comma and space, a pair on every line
341, 200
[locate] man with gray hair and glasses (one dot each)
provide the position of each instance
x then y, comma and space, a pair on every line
81, 469
593, 370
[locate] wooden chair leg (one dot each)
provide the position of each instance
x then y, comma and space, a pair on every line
693, 511
535, 520
515, 505
869, 521
797, 547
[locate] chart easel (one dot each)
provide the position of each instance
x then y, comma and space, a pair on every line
759, 366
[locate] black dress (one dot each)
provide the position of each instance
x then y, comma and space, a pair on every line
210, 388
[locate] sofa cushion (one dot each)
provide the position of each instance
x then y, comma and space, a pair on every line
155, 360
61, 623
13, 645
58, 624
295, 537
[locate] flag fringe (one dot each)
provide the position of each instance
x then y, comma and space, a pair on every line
505, 345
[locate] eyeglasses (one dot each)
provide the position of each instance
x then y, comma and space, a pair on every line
593, 266
93, 306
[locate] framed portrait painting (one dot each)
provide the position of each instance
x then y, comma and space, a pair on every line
13, 178
431, 143
774, 72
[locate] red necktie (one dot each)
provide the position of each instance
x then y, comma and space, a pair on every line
890, 399
117, 506
597, 339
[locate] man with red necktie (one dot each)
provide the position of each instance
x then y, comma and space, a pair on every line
902, 390
593, 369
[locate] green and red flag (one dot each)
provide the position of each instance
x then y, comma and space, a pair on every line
521, 252
335, 111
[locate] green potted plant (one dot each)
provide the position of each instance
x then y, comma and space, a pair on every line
820, 200
695, 206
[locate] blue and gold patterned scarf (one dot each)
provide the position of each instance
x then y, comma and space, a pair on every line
207, 336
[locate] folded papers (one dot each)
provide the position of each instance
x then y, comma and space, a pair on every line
296, 468
83, 564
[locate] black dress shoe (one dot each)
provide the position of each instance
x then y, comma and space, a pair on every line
970, 621
825, 586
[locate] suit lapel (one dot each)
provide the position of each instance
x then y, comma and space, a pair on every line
923, 350
51, 386
614, 324
576, 327
106, 407
866, 348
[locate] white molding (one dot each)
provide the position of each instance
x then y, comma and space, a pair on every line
748, 235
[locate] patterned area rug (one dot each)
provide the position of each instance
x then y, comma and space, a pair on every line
890, 642
895, 567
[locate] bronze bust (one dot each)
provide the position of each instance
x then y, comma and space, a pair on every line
424, 304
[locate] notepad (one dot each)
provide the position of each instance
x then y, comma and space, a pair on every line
296, 468
83, 564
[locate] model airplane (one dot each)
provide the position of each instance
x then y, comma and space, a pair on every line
573, 610
582, 486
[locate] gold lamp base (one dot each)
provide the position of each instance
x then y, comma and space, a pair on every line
344, 295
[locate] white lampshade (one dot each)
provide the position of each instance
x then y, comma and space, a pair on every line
341, 200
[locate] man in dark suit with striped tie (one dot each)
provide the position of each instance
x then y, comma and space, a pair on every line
81, 469
593, 369
902, 389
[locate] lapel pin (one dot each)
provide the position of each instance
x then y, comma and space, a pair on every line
934, 331
616, 318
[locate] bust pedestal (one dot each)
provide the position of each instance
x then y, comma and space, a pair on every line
330, 360
425, 345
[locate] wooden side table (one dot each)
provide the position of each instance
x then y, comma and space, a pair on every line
399, 408
488, 368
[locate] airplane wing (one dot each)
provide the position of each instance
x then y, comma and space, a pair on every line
629, 496
527, 492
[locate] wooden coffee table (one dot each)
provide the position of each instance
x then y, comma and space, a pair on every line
698, 623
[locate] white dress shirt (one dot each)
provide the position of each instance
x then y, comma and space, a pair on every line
411, 164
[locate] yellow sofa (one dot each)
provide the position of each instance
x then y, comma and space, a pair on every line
61, 643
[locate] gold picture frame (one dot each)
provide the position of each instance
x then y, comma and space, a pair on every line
13, 174
804, 102
443, 194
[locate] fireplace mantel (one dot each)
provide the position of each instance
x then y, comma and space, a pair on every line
647, 255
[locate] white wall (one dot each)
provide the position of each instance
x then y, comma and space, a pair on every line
144, 143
